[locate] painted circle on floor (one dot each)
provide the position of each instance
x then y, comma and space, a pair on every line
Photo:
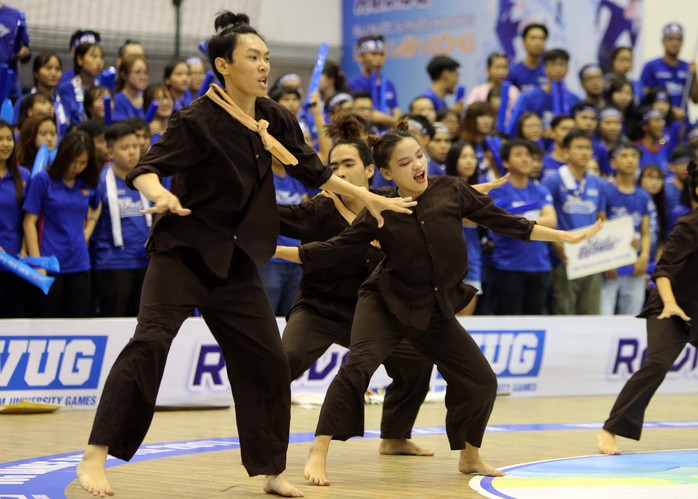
643, 475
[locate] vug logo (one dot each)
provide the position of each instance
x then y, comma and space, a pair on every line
512, 353
56, 362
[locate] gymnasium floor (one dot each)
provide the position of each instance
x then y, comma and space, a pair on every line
190, 454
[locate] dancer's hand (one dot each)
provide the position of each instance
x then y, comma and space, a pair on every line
672, 309
167, 201
376, 204
486, 187
578, 237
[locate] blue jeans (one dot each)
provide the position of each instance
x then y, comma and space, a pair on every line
280, 281
624, 295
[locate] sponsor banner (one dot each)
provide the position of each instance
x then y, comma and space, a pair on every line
65, 362
611, 248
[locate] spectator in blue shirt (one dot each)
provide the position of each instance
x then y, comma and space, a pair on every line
677, 200
539, 100
623, 289
609, 127
591, 79
671, 73
372, 59
117, 247
556, 156
652, 181
622, 66
88, 63
177, 78
133, 80
9, 19
79, 37
522, 272
443, 72
36, 131
61, 210
529, 73
13, 181
586, 118
651, 143
423, 106
437, 149
579, 199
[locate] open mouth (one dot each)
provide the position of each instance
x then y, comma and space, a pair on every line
421, 177
263, 81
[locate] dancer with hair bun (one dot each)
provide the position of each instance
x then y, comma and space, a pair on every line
219, 224
414, 295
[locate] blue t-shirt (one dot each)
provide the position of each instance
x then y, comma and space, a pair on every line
577, 203
658, 156
525, 78
540, 102
183, 101
362, 83
600, 154
289, 191
620, 204
550, 164
438, 102
73, 97
654, 230
8, 20
134, 231
11, 215
513, 254
674, 207
657, 73
434, 168
62, 211
472, 243
123, 109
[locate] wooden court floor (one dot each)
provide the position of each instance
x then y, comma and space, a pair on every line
355, 467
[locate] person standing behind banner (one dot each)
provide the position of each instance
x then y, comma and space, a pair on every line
522, 272
117, 247
371, 54
13, 184
61, 210
671, 312
529, 73
579, 199
443, 72
623, 290
671, 73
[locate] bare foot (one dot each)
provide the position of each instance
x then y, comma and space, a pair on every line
92, 475
607, 443
402, 447
471, 463
316, 466
278, 484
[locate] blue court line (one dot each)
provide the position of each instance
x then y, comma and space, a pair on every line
48, 476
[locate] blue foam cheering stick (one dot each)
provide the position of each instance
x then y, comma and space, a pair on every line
107, 109
205, 84
107, 78
503, 104
557, 101
317, 72
52, 155
41, 160
7, 112
26, 272
152, 110
202, 48
460, 93
49, 263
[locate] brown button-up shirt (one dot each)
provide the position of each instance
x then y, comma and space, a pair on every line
426, 257
679, 263
223, 174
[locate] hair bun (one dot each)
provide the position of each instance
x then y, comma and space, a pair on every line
346, 126
226, 19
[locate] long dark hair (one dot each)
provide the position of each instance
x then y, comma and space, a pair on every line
72, 145
228, 26
452, 161
658, 199
26, 147
41, 60
12, 164
693, 180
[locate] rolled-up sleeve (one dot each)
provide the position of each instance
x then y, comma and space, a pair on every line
682, 243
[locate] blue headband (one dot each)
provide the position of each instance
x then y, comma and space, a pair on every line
337, 100
652, 113
610, 112
373, 45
